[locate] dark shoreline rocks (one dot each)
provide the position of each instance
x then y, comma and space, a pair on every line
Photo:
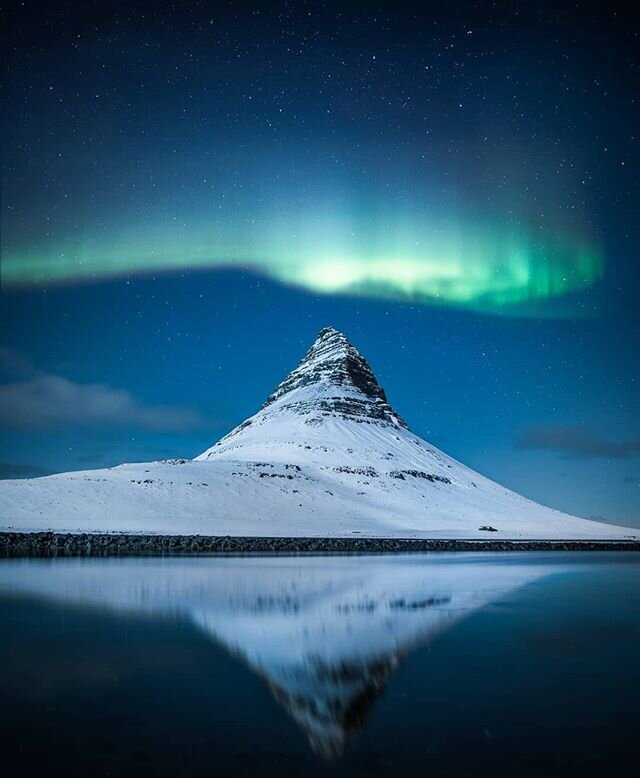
51, 544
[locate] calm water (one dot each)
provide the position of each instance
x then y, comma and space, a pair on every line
477, 664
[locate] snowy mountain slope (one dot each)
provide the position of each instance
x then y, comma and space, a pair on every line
325, 456
326, 634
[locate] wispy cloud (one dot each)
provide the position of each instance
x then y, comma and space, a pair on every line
38, 400
576, 443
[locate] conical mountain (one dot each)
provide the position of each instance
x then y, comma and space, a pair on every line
333, 382
326, 455
337, 380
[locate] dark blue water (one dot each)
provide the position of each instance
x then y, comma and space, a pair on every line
456, 665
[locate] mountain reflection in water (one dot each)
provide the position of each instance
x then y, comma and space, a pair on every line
325, 633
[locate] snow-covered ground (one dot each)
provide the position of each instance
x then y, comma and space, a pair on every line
326, 456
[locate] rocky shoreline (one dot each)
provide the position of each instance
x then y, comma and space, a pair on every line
50, 544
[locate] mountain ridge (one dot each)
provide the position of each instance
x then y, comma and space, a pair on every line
332, 379
325, 456
334, 360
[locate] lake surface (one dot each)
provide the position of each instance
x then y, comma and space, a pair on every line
521, 664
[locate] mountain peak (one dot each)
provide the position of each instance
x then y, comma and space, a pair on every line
330, 331
340, 379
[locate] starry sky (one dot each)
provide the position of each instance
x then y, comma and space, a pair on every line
191, 191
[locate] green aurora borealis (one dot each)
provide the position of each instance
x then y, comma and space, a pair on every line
496, 269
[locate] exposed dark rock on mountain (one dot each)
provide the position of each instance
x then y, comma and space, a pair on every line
332, 361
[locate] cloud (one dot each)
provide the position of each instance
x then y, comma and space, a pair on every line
13, 470
576, 443
45, 400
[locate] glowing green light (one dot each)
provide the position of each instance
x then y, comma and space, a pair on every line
493, 269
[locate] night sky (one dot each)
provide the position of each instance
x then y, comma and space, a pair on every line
191, 191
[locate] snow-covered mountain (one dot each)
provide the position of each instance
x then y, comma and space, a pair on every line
326, 455
325, 634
